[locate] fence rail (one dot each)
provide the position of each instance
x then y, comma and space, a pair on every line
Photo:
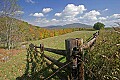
117, 29
73, 68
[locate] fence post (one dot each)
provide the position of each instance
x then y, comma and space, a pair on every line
70, 44
42, 53
81, 61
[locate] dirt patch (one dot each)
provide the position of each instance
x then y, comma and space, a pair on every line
7, 54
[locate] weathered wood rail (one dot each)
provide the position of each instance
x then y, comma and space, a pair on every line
116, 29
73, 68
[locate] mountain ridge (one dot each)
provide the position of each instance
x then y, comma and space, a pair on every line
73, 25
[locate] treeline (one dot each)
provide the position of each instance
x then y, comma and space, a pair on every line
21, 31
41, 33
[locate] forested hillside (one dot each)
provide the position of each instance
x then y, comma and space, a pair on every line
29, 32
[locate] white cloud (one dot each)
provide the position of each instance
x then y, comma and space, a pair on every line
115, 16
19, 12
30, 1
58, 14
31, 14
37, 14
110, 21
107, 20
74, 14
46, 10
105, 10
55, 20
92, 15
46, 22
71, 10
69, 14
42, 20
1, 13
102, 18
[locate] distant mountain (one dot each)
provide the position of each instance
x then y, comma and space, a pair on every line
74, 25
52, 26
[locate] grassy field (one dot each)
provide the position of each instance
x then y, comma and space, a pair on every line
15, 67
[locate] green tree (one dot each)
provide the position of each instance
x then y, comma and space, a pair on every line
98, 26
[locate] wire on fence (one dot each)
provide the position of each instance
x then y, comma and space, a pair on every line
57, 71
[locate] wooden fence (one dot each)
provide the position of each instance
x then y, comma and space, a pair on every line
117, 29
72, 69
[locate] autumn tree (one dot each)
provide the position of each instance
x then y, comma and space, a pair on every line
8, 11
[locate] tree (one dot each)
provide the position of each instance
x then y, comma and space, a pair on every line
8, 11
98, 26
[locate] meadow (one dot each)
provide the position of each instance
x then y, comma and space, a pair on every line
15, 66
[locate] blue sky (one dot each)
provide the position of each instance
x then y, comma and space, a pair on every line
60, 12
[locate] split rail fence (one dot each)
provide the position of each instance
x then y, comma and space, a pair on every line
72, 69
117, 29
